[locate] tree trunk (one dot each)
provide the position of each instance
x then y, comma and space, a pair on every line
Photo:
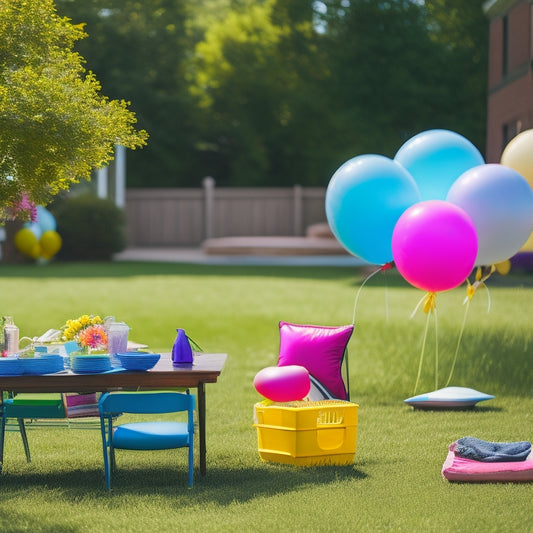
10, 254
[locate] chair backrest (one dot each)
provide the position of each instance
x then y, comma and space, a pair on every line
145, 402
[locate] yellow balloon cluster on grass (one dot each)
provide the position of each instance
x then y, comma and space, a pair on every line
39, 240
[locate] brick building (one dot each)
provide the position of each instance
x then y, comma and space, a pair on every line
510, 83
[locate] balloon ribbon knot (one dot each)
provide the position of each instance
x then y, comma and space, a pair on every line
430, 302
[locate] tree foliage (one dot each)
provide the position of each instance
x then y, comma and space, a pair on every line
137, 49
55, 125
279, 92
257, 75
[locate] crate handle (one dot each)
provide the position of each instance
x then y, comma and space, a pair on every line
329, 418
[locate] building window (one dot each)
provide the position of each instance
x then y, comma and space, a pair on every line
509, 131
505, 46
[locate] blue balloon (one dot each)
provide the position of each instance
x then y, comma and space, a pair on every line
364, 199
45, 219
435, 159
35, 229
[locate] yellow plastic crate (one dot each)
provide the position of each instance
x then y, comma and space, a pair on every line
307, 433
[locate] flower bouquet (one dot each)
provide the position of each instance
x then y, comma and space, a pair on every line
90, 333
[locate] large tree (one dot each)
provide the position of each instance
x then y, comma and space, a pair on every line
137, 49
278, 92
55, 125
461, 30
260, 77
398, 71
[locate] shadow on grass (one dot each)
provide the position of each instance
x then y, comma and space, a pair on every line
357, 275
475, 409
131, 269
220, 485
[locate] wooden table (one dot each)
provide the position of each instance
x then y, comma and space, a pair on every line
205, 368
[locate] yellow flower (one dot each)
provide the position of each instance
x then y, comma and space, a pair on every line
72, 328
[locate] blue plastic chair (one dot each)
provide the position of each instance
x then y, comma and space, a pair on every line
156, 435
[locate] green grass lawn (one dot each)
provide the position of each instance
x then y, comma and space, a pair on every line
395, 482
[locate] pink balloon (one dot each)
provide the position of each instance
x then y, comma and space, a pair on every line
283, 383
434, 245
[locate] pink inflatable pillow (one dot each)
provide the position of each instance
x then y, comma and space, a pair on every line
457, 468
320, 349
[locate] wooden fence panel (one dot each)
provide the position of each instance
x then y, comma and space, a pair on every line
180, 217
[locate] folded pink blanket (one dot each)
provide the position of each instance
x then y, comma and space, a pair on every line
457, 468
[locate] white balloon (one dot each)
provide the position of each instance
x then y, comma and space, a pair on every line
500, 202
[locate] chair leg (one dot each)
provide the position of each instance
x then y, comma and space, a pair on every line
191, 461
112, 457
106, 451
2, 436
22, 429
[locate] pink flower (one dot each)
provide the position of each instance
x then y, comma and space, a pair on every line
25, 207
93, 337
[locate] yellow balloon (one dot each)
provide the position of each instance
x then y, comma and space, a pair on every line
504, 267
35, 251
518, 155
528, 245
25, 241
50, 243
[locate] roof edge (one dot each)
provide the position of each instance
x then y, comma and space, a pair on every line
495, 8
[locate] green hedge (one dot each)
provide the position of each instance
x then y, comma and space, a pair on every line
92, 228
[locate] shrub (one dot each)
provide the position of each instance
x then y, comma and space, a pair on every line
91, 228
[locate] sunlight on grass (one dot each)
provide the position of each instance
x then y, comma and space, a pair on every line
395, 482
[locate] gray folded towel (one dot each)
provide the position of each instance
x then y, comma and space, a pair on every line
492, 452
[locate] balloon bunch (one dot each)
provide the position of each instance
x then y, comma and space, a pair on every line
436, 210
39, 240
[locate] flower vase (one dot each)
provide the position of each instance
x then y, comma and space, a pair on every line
181, 351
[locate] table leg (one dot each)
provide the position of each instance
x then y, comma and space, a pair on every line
201, 426
3, 429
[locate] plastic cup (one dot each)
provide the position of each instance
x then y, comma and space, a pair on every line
117, 337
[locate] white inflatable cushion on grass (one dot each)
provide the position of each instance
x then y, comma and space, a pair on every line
449, 397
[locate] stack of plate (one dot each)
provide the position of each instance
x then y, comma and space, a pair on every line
10, 366
90, 364
45, 364
138, 360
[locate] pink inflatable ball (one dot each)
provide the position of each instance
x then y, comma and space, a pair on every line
283, 383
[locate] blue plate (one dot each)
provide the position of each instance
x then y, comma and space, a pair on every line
138, 361
10, 366
45, 364
90, 364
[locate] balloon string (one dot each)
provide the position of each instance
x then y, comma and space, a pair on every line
422, 354
430, 303
436, 352
488, 300
384, 267
478, 283
387, 303
458, 343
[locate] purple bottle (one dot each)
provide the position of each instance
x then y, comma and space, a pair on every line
181, 351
